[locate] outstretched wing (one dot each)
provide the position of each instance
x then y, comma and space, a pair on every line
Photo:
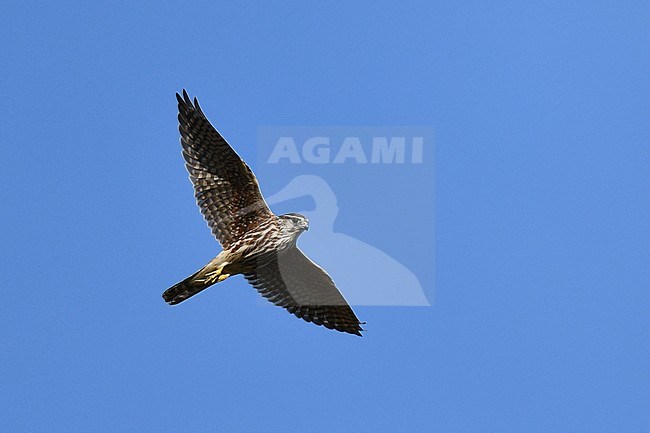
296, 283
225, 188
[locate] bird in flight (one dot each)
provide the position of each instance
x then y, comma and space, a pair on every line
256, 243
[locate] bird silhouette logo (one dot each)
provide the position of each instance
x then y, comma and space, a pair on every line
352, 263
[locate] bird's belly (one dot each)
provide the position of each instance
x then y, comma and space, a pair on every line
261, 257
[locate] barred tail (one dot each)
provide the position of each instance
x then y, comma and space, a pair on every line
186, 289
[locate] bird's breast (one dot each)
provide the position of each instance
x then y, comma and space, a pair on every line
264, 240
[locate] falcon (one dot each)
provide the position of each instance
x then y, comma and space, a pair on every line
256, 243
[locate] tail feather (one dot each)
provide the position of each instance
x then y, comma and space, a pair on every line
185, 289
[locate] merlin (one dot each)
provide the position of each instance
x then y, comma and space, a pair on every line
256, 243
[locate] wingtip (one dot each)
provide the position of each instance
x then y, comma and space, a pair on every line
185, 101
354, 331
197, 106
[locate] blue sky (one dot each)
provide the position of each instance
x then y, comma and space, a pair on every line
528, 231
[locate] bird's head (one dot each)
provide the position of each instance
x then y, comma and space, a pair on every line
294, 223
